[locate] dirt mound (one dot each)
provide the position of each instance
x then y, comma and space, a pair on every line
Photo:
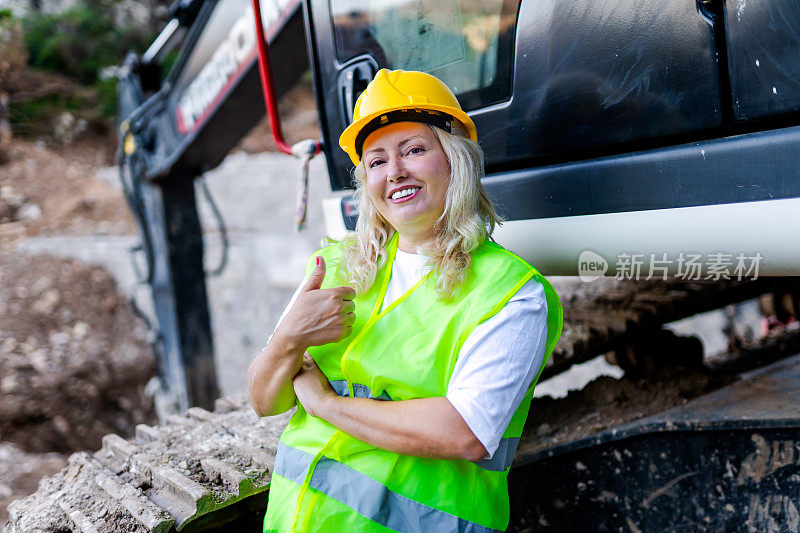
74, 359
51, 190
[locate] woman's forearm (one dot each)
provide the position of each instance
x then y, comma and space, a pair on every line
424, 427
269, 378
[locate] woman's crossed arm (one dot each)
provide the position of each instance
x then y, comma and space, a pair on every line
425, 427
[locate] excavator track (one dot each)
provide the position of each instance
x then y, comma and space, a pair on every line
193, 473
608, 314
208, 469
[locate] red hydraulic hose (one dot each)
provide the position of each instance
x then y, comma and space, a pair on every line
267, 85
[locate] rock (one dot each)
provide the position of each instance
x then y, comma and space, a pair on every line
29, 211
11, 197
80, 330
47, 303
61, 424
8, 384
41, 284
38, 360
29, 345
59, 337
67, 128
8, 345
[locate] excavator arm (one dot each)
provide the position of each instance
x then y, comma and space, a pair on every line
172, 129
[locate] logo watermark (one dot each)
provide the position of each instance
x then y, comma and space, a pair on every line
591, 266
686, 266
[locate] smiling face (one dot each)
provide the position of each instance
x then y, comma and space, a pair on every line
407, 175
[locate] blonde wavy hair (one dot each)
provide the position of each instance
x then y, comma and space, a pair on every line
468, 219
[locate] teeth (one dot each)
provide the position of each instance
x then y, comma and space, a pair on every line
404, 192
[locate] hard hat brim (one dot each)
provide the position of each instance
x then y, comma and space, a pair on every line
347, 140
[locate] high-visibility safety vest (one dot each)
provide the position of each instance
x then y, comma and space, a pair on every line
326, 480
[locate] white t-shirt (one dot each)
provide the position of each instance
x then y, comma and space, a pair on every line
497, 362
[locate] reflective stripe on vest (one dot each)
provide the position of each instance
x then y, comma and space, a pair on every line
367, 496
503, 456
359, 391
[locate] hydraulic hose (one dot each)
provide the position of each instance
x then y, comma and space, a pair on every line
305, 150
267, 85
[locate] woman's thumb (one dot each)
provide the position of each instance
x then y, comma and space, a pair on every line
316, 278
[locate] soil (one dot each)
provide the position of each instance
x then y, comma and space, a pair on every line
20, 473
50, 190
607, 402
74, 358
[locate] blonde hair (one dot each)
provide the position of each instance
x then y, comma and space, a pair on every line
468, 218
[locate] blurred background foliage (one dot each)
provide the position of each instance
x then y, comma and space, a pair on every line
57, 60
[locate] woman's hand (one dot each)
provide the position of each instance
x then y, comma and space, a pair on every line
318, 316
311, 386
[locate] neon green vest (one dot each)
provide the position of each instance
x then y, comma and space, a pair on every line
326, 480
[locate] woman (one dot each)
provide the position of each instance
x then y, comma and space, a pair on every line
412, 349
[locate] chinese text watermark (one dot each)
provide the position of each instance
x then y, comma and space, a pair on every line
686, 266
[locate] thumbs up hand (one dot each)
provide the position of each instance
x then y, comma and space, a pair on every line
318, 316
317, 277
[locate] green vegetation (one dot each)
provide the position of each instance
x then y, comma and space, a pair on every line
82, 40
78, 43
33, 118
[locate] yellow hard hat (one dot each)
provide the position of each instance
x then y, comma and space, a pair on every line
398, 96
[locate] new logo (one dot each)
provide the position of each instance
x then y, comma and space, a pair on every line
591, 266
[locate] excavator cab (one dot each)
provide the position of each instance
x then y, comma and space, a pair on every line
623, 128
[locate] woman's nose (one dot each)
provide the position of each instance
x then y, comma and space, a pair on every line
395, 170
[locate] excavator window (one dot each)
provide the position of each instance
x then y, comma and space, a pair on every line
467, 44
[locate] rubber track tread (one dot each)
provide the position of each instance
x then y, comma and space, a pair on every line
604, 313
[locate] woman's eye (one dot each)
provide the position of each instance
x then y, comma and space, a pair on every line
375, 163
416, 150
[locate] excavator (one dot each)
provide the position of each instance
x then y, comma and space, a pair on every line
648, 149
